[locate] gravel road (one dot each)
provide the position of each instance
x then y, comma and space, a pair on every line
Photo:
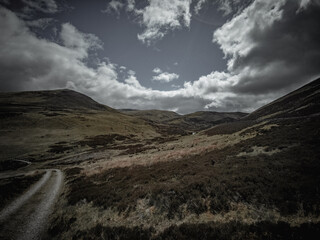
27, 216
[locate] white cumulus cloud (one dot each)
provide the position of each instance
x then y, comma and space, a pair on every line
271, 46
161, 16
164, 76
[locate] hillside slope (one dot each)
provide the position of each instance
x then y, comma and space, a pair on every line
300, 103
54, 100
252, 179
304, 101
39, 124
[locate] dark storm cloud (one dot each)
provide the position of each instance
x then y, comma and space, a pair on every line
278, 46
286, 54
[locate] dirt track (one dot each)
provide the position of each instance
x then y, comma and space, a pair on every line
26, 217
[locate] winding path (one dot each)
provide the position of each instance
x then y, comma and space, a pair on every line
26, 217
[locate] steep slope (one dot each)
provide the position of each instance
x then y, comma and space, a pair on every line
302, 102
44, 123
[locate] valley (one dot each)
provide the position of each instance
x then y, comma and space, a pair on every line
153, 174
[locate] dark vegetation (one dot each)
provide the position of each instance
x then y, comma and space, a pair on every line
237, 230
136, 233
135, 148
60, 147
168, 130
102, 140
228, 128
10, 188
288, 180
223, 231
11, 165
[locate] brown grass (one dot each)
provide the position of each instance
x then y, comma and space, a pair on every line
219, 175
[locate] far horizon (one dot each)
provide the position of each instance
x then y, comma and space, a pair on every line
183, 56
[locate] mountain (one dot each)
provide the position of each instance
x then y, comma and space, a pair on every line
53, 100
302, 102
253, 178
39, 124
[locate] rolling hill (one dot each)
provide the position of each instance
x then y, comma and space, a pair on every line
252, 178
257, 178
39, 124
56, 100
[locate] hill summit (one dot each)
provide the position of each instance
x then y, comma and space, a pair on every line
63, 99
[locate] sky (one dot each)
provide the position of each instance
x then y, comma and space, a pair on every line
177, 55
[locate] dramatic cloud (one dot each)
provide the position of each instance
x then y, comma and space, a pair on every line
271, 46
161, 16
157, 18
31, 63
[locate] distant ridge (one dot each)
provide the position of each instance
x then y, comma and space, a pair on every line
205, 119
193, 122
151, 115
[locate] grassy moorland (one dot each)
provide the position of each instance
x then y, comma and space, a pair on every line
254, 178
46, 124
268, 178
